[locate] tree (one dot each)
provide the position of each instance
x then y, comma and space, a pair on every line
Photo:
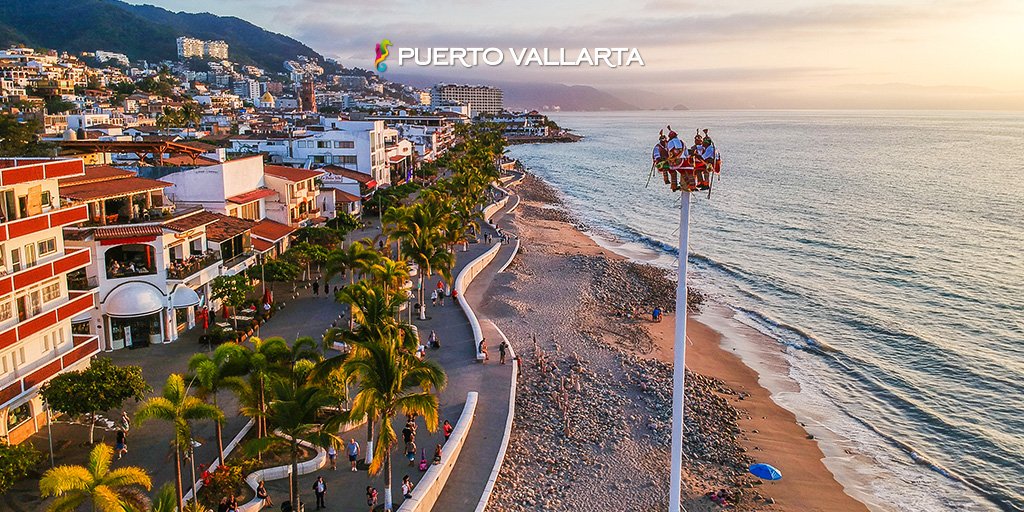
106, 490
304, 253
176, 407
15, 462
392, 380
228, 360
19, 138
232, 291
295, 414
100, 387
264, 364
275, 271
164, 501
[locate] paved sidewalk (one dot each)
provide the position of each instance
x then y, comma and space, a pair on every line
148, 444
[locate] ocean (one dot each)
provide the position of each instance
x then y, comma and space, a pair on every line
882, 250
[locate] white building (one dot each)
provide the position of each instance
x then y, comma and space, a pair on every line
216, 49
357, 145
104, 56
189, 47
38, 304
480, 98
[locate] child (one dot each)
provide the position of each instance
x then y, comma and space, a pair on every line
437, 455
407, 487
371, 497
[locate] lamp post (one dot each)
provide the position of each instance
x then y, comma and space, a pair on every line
49, 430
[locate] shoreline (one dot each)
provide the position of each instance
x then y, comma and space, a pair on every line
764, 431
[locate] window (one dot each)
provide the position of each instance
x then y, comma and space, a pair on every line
346, 160
344, 144
130, 260
15, 260
6, 311
18, 415
51, 292
45, 198
323, 144
47, 246
300, 185
251, 211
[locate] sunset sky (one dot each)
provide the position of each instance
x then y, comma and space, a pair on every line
721, 54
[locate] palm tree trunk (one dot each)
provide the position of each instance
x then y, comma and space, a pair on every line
369, 439
177, 476
220, 434
92, 427
388, 505
293, 488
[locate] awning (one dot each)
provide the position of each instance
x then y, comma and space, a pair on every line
133, 300
81, 318
183, 297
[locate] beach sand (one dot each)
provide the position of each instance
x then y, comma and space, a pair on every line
593, 415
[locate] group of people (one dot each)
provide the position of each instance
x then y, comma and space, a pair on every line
130, 268
694, 165
503, 349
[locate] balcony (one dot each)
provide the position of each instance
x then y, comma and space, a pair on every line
29, 378
193, 265
79, 302
43, 270
52, 219
231, 262
79, 281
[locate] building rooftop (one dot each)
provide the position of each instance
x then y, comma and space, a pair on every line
111, 232
341, 196
97, 173
270, 230
338, 170
226, 227
191, 220
114, 187
290, 173
251, 196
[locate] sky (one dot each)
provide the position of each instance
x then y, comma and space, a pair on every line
958, 54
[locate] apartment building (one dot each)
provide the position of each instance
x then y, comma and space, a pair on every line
480, 98
38, 305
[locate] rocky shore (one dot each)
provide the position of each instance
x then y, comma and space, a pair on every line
593, 414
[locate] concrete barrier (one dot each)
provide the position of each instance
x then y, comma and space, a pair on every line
227, 451
426, 492
277, 472
493, 208
462, 282
515, 250
500, 458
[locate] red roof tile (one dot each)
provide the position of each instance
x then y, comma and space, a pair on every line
344, 197
227, 227
186, 222
338, 170
262, 245
251, 196
97, 173
111, 188
270, 230
290, 173
127, 232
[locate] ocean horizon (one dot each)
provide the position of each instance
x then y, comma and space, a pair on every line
882, 252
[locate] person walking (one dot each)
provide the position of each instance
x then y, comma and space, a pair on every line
410, 452
320, 489
433, 298
353, 453
316, 287
261, 493
121, 446
332, 455
448, 428
502, 349
371, 497
126, 424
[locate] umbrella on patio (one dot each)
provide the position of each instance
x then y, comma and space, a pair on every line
765, 471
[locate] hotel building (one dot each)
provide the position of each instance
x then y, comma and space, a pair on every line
38, 304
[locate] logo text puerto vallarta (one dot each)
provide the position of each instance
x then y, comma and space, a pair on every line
472, 57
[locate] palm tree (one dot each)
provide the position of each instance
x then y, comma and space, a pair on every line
178, 408
427, 251
391, 275
357, 256
228, 360
164, 501
106, 490
294, 413
263, 365
392, 380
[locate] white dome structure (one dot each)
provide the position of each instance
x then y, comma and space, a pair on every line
133, 300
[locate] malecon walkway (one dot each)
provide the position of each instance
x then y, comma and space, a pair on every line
347, 490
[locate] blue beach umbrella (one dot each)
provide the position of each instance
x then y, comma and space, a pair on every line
765, 471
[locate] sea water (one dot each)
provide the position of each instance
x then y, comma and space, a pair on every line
883, 251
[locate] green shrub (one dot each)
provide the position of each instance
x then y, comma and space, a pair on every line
15, 463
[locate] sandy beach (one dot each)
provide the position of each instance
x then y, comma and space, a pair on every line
593, 414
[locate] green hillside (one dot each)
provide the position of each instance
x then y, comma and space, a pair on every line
139, 31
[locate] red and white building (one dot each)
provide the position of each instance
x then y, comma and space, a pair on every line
37, 304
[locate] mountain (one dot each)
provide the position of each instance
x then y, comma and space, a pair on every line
139, 31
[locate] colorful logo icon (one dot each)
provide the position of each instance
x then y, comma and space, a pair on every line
382, 53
